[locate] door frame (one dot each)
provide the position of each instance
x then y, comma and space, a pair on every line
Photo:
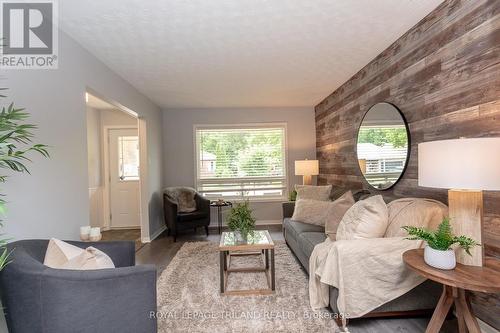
143, 171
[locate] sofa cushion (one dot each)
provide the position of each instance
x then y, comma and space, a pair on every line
296, 227
365, 219
192, 216
308, 240
313, 192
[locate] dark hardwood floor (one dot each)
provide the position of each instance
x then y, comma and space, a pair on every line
124, 234
162, 250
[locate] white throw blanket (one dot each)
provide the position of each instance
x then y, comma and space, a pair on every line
367, 273
370, 272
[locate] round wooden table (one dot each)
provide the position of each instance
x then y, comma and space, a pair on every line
455, 284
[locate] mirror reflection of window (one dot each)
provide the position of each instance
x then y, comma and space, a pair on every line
382, 145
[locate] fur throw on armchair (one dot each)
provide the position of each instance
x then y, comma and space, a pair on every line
183, 197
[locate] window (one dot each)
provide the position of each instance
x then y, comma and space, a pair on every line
128, 157
241, 162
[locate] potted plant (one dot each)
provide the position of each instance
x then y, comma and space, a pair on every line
16, 144
241, 220
438, 252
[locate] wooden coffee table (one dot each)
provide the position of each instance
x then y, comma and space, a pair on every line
455, 284
258, 244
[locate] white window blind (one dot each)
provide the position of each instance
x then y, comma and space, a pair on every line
241, 162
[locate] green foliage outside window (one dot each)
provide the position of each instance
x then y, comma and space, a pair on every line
380, 136
239, 154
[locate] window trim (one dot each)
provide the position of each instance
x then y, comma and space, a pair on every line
283, 125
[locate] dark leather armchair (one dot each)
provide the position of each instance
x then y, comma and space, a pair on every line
37, 298
177, 221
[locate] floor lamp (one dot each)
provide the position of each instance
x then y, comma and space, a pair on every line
307, 169
466, 167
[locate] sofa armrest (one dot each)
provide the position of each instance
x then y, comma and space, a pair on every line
122, 253
288, 208
118, 300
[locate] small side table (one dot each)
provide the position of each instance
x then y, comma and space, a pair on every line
219, 206
456, 283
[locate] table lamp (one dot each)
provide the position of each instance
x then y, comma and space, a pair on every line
307, 169
465, 167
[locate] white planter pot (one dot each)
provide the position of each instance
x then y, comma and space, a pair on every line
439, 259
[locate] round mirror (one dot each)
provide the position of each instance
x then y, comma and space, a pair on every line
383, 145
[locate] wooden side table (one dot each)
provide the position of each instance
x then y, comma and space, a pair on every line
456, 283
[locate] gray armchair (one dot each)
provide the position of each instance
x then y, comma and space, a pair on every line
177, 221
37, 298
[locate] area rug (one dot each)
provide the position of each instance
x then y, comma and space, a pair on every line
189, 298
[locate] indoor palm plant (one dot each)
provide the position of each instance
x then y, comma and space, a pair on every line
241, 220
16, 143
438, 252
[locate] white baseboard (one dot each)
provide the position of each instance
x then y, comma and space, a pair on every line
154, 236
135, 227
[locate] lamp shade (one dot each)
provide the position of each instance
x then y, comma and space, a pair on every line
464, 164
307, 168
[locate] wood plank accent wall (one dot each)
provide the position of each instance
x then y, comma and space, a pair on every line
444, 75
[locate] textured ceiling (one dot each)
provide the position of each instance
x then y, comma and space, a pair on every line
238, 53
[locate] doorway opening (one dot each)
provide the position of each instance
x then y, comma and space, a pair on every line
116, 146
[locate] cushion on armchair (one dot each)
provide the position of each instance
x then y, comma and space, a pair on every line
62, 255
197, 215
183, 197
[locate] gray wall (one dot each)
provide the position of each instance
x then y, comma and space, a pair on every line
179, 146
53, 201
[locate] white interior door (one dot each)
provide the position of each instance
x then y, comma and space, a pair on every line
124, 178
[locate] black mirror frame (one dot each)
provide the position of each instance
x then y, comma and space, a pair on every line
407, 154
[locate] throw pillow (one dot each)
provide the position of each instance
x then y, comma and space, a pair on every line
336, 212
183, 197
418, 212
365, 219
311, 211
312, 192
62, 255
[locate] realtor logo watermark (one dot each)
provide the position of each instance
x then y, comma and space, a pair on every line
29, 34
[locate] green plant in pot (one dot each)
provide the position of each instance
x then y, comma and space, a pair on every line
16, 144
241, 220
438, 252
